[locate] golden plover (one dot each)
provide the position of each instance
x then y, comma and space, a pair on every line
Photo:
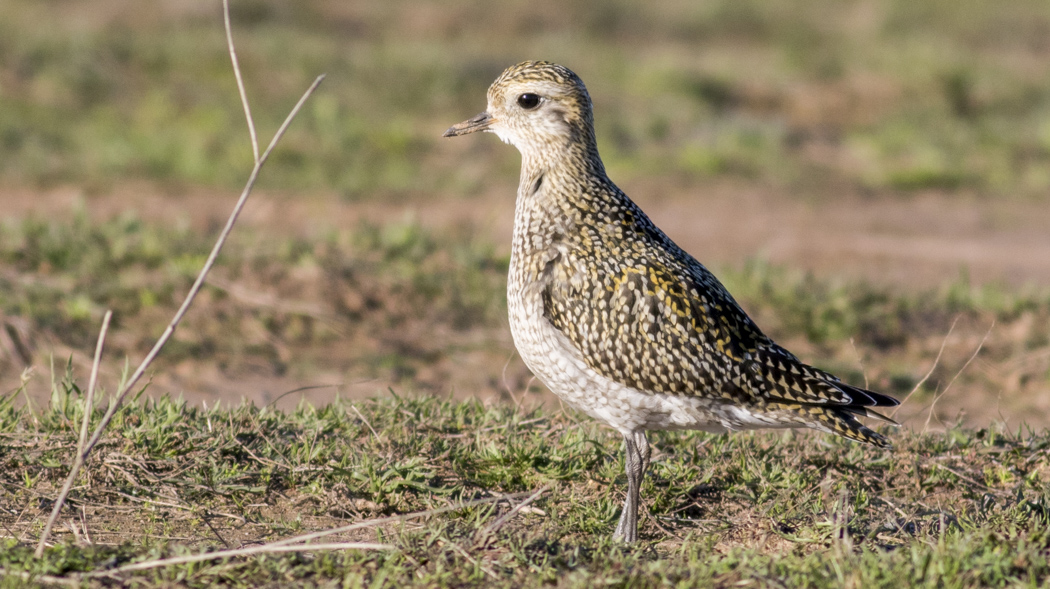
619, 321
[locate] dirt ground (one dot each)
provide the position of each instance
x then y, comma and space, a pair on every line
909, 242
906, 244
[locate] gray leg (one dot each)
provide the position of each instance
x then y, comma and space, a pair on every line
638, 455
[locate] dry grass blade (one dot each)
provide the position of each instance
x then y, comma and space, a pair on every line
170, 330
495, 526
928, 373
221, 554
365, 419
499, 523
933, 404
311, 387
394, 519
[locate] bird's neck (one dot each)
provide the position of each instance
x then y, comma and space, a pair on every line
561, 173
571, 152
559, 192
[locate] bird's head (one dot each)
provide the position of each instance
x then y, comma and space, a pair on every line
539, 107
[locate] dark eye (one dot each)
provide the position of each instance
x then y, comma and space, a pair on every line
528, 101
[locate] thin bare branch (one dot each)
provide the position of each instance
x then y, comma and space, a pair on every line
240, 81
932, 368
952, 381
287, 121
967, 479
488, 571
89, 401
170, 330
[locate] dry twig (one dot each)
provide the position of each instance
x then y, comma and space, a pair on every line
952, 381
932, 368
221, 554
115, 404
300, 543
240, 81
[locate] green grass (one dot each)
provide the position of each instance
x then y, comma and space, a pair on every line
385, 283
830, 310
964, 509
811, 97
909, 99
397, 300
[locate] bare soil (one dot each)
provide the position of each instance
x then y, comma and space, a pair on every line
906, 244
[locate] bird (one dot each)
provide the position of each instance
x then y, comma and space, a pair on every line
619, 321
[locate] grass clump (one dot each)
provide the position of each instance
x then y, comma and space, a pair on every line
965, 509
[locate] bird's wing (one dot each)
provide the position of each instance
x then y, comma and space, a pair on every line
783, 376
667, 326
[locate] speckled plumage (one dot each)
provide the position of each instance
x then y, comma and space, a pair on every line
618, 320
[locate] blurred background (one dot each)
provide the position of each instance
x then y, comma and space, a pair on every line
870, 178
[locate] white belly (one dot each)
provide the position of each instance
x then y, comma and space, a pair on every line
554, 360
